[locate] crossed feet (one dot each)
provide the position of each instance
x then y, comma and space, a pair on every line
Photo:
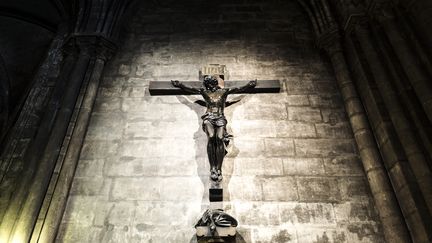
216, 175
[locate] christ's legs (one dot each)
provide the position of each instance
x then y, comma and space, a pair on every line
220, 147
211, 148
215, 149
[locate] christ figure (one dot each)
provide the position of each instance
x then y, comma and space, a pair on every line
214, 122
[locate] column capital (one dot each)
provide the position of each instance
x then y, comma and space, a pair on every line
354, 21
94, 46
381, 10
330, 41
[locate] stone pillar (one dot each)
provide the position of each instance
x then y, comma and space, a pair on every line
420, 14
413, 205
4, 99
417, 75
24, 208
97, 26
405, 64
35, 150
390, 215
400, 122
102, 50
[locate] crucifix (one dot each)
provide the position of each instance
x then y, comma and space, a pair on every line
215, 91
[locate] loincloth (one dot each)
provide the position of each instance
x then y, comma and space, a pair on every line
217, 121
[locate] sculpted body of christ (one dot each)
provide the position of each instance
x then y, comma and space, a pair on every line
214, 122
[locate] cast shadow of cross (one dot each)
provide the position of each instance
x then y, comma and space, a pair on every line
200, 138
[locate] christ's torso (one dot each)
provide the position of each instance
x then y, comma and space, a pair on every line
215, 101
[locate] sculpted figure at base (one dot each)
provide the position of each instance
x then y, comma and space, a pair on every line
214, 122
214, 218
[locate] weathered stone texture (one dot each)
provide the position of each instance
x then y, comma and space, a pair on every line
292, 173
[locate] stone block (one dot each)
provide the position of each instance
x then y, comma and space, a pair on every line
80, 210
294, 129
279, 189
355, 212
303, 166
109, 92
326, 87
114, 213
181, 189
248, 148
344, 165
256, 166
256, 213
260, 112
281, 98
166, 234
326, 101
93, 186
274, 234
323, 234
90, 168
306, 114
75, 232
324, 147
333, 116
346, 233
158, 148
162, 129
142, 166
144, 189
106, 126
140, 109
245, 188
338, 130
133, 91
295, 87
157, 188
124, 69
318, 189
253, 128
277, 147
136, 83
172, 214
98, 149
307, 214
107, 104
354, 188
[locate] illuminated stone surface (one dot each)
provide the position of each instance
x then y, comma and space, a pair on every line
293, 172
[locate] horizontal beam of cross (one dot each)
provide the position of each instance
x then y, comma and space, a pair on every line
166, 88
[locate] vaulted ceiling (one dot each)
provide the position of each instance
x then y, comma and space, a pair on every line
27, 27
44, 13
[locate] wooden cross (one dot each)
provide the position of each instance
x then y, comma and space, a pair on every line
206, 227
166, 88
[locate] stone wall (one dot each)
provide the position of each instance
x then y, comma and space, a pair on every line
292, 174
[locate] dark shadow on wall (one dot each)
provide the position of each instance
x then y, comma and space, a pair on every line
203, 166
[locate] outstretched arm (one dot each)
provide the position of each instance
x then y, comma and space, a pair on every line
184, 87
249, 85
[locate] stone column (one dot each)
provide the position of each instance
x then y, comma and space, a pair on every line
24, 208
4, 99
400, 122
414, 69
102, 49
413, 205
419, 11
37, 147
390, 215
